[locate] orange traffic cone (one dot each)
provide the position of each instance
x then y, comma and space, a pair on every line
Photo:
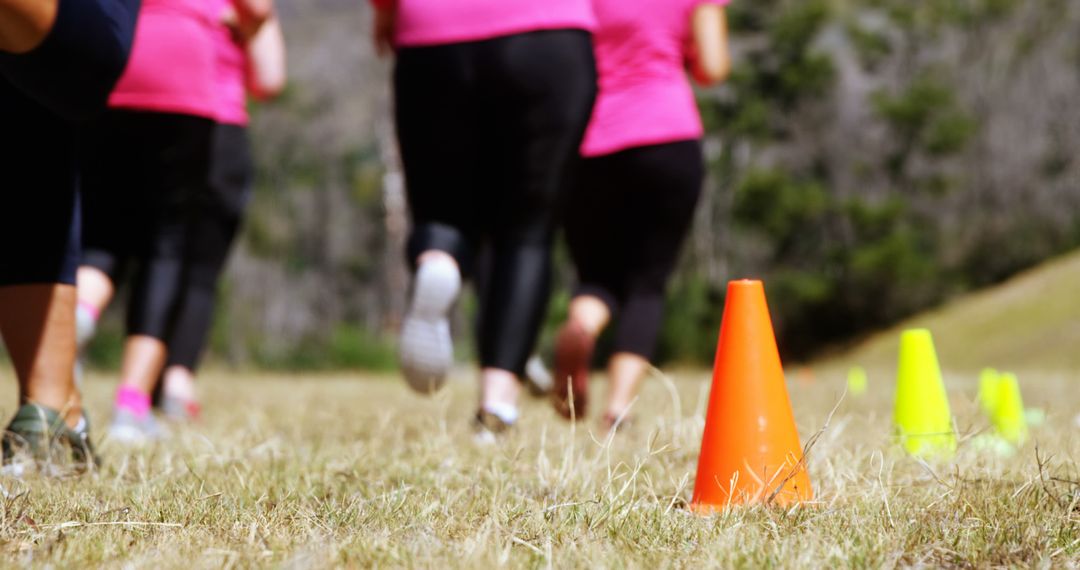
750, 450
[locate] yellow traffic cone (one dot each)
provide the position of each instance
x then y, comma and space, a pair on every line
923, 420
1009, 420
856, 380
989, 382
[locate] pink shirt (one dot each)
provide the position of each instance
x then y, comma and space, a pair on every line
436, 22
645, 95
230, 73
171, 69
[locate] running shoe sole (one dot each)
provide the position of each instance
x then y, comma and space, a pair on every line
426, 349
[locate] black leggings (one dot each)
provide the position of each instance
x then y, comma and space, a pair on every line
625, 225
489, 132
143, 171
68, 76
73, 71
216, 221
39, 218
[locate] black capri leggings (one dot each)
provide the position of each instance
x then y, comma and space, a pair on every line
143, 172
218, 213
489, 133
625, 225
39, 218
68, 76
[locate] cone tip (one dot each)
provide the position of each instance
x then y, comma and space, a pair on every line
744, 284
916, 334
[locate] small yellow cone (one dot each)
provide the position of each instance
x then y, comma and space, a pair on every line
1009, 420
856, 380
923, 419
989, 382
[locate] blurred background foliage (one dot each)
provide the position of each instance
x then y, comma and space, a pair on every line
868, 159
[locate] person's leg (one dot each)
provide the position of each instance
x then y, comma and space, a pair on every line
95, 292
39, 230
37, 323
594, 227
538, 91
175, 175
114, 203
663, 188
212, 230
435, 117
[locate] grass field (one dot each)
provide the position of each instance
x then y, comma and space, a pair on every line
356, 471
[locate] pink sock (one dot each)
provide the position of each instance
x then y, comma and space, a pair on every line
133, 400
94, 312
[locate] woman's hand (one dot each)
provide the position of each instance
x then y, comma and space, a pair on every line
384, 28
710, 55
24, 24
247, 17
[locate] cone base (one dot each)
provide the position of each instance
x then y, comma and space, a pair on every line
708, 509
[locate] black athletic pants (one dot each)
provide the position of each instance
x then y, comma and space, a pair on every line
625, 224
489, 133
213, 228
143, 172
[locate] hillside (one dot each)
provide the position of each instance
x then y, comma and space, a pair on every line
1031, 322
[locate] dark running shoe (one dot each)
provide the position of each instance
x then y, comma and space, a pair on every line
38, 437
573, 354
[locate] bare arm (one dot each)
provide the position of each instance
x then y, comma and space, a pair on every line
712, 56
24, 24
266, 70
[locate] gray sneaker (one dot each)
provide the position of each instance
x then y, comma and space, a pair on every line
426, 350
129, 428
38, 437
180, 410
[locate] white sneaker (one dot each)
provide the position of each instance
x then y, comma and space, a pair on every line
129, 429
426, 350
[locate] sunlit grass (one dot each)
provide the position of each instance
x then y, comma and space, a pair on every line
348, 470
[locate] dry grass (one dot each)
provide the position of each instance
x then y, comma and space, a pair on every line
352, 471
